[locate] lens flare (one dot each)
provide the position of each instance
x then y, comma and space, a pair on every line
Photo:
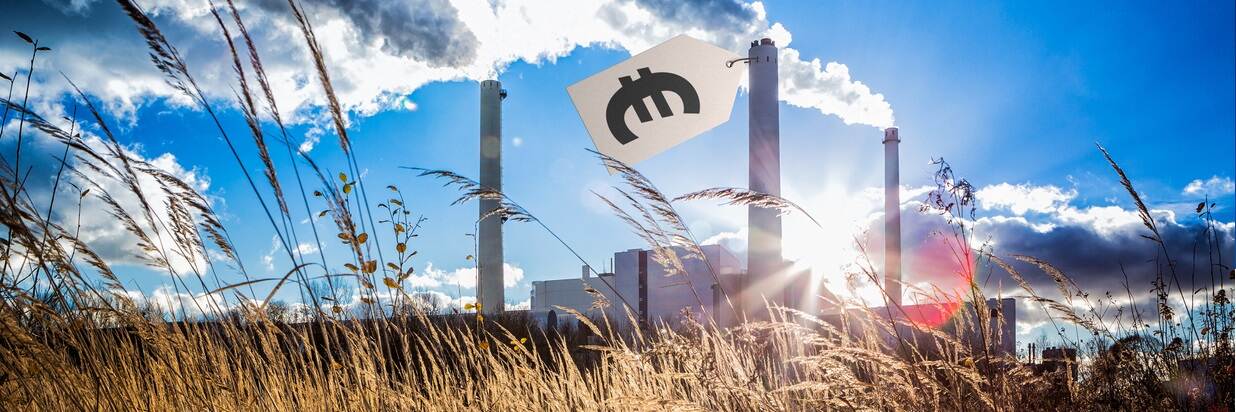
942, 268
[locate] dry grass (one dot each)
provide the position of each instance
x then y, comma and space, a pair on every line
69, 343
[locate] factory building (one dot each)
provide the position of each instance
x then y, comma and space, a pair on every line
655, 295
649, 289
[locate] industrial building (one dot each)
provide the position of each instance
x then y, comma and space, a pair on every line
648, 288
655, 295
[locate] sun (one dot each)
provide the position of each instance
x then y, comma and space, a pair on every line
830, 250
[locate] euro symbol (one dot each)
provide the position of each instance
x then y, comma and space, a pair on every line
631, 96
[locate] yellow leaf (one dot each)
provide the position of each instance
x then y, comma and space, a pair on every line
336, 309
469, 257
343, 177
362, 238
469, 306
393, 266
390, 283
400, 247
483, 345
351, 267
366, 300
398, 228
480, 317
347, 188
393, 188
371, 266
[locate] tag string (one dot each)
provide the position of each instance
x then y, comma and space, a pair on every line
730, 63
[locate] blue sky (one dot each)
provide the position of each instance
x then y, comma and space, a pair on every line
1009, 93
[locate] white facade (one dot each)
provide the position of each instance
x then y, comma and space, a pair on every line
653, 293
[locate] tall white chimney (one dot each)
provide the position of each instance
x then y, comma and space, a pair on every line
490, 291
764, 259
892, 217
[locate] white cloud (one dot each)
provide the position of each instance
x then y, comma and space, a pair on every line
1106, 220
1023, 198
462, 301
268, 259
306, 248
1213, 187
179, 304
430, 277
106, 234
1037, 227
735, 241
276, 250
312, 137
378, 54
463, 277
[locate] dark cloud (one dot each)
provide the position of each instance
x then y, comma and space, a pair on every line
1090, 252
702, 13
1094, 259
1089, 245
428, 31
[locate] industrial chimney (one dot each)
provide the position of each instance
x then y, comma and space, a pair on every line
490, 291
892, 218
764, 224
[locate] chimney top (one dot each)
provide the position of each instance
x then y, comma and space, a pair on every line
766, 41
891, 135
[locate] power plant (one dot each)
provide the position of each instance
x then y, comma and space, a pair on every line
703, 293
765, 279
490, 292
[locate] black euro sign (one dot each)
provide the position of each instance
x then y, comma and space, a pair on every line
631, 96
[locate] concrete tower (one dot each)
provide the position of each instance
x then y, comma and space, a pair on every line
892, 217
764, 260
490, 291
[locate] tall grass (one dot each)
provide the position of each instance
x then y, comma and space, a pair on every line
68, 342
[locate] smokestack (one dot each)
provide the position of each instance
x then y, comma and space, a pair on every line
764, 225
490, 291
892, 217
